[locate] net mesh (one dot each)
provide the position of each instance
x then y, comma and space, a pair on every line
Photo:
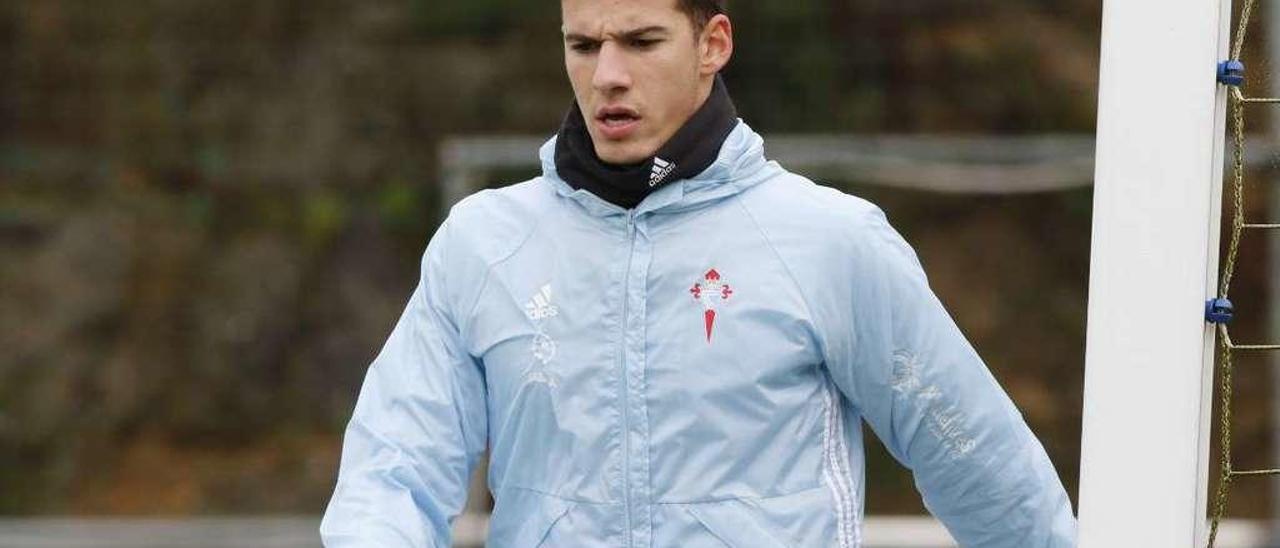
1227, 347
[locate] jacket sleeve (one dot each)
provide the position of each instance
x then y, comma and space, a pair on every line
418, 428
905, 366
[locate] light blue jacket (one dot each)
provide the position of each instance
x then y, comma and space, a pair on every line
690, 373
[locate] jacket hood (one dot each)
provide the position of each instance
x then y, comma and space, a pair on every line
739, 165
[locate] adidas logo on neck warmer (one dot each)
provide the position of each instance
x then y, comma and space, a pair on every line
661, 169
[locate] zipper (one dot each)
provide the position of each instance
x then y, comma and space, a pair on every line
626, 382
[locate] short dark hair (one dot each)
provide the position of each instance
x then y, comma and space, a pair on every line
700, 11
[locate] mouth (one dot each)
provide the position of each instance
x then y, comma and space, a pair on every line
617, 122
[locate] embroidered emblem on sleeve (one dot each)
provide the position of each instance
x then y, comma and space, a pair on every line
945, 421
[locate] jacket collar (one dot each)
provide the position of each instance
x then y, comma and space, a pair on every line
739, 165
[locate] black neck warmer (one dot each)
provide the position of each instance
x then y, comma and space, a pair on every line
690, 151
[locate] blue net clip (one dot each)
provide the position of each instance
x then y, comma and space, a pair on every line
1231, 73
1218, 310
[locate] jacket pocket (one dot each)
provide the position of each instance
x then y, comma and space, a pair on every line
527, 524
735, 525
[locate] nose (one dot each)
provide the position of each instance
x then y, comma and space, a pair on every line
612, 72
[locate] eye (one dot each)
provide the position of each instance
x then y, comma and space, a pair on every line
584, 47
645, 43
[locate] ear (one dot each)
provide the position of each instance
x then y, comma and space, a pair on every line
715, 45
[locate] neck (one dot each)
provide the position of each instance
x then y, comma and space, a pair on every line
690, 150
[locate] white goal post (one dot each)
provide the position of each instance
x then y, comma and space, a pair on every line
1156, 216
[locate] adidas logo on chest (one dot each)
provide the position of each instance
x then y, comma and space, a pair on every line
539, 307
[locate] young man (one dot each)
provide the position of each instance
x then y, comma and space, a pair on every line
668, 341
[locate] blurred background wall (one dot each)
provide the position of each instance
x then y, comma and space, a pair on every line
211, 214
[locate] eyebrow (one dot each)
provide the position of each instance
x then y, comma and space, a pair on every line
631, 34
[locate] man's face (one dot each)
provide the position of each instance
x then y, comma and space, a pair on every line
638, 71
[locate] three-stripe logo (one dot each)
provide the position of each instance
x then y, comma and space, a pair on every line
661, 169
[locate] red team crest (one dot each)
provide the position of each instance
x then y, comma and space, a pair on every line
711, 291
